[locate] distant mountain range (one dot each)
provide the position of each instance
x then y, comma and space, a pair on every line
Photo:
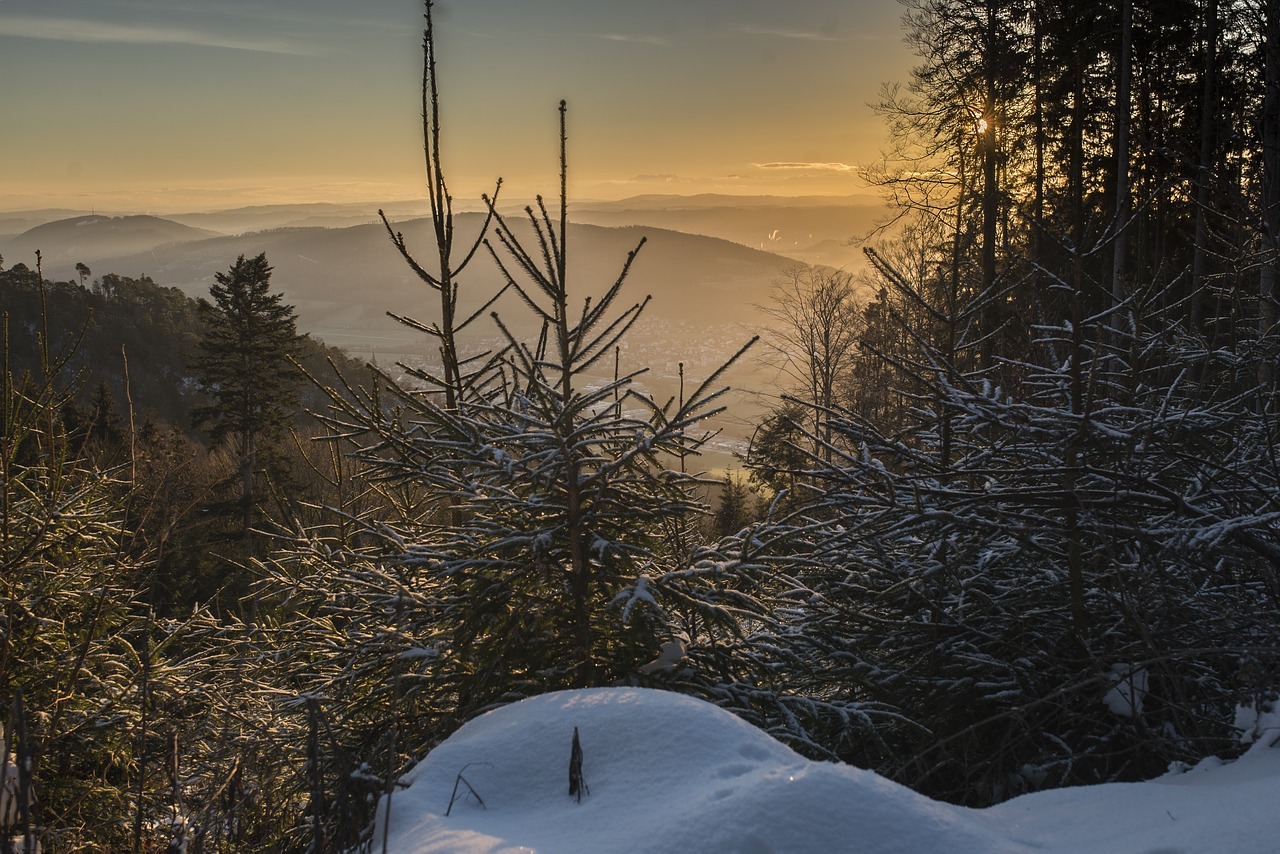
709, 257
708, 263
812, 229
347, 278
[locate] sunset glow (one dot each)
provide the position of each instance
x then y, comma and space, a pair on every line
166, 106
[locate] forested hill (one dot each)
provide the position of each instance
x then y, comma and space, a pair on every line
117, 319
67, 241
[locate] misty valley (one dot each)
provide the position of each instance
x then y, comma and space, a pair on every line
343, 278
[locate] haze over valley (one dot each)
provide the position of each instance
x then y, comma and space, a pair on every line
708, 263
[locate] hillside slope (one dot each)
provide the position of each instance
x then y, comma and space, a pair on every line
95, 238
344, 280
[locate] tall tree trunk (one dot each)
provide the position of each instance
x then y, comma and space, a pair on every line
1200, 260
1123, 111
1074, 457
990, 191
248, 462
1270, 312
1037, 208
579, 559
441, 217
953, 311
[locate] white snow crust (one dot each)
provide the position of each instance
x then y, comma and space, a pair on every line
668, 773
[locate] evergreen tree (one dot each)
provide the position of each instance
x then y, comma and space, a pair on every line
244, 366
736, 508
76, 639
563, 515
534, 536
1062, 593
1038, 536
440, 274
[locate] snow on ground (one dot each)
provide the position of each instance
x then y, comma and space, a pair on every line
668, 773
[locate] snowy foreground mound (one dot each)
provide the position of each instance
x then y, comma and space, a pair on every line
668, 773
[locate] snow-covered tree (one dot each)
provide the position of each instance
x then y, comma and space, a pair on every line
73, 642
553, 504
1051, 581
531, 532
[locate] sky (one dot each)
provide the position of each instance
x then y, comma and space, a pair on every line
178, 105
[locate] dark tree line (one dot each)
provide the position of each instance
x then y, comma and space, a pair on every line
1117, 146
1039, 527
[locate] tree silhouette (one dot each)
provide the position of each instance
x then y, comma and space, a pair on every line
244, 366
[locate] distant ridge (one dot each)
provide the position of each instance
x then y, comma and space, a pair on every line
352, 276
706, 290
663, 201
323, 215
703, 262
93, 236
13, 223
258, 217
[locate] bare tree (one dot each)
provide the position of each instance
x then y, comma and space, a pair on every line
815, 340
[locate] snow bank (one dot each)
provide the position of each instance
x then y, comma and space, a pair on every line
668, 773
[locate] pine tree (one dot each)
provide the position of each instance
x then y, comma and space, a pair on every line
736, 508
441, 274
73, 569
244, 366
534, 536
990, 573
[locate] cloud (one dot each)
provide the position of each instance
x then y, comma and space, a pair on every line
240, 12
656, 41
777, 32
810, 165
98, 32
663, 177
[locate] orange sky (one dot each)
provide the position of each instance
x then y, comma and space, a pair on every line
175, 105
